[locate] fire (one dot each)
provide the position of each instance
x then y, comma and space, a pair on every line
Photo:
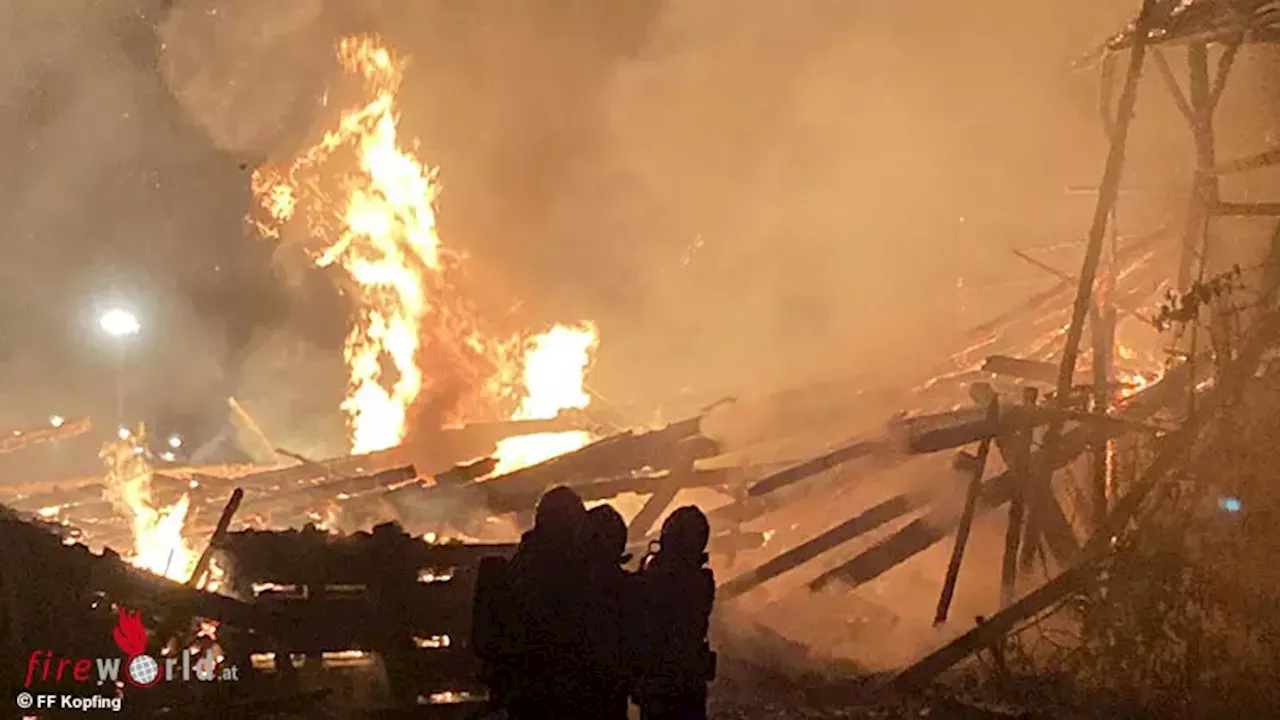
414, 343
387, 244
555, 366
158, 545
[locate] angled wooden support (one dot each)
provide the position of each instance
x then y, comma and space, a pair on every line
1204, 184
1040, 518
197, 579
916, 537
809, 468
22, 439
966, 518
1171, 83
1225, 62
875, 517
1017, 454
181, 617
1103, 331
1263, 159
650, 512
681, 465
1247, 209
1172, 450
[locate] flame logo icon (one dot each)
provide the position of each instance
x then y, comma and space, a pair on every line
130, 634
131, 637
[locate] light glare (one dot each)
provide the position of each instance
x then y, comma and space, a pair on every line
119, 323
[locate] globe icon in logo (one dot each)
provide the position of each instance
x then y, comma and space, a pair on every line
144, 670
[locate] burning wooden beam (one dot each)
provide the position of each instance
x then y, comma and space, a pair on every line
863, 523
1244, 209
948, 431
1017, 455
923, 533
820, 464
966, 518
610, 457
1172, 449
1263, 159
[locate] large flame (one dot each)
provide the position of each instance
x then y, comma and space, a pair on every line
555, 366
412, 333
387, 243
158, 544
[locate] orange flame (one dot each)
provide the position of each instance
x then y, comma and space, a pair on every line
555, 365
158, 544
413, 335
387, 244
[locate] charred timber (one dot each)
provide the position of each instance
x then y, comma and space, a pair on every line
489, 434
820, 464
966, 518
670, 447
127, 584
1253, 162
29, 438
751, 508
1247, 209
867, 521
1077, 578
947, 431
301, 498
988, 332
605, 489
923, 533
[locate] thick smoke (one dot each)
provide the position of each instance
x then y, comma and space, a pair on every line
742, 194
110, 196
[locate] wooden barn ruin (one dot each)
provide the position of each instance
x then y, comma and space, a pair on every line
1025, 424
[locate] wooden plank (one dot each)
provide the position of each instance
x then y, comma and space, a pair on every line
605, 458
1018, 458
1173, 448
650, 512
861, 524
1247, 209
23, 439
966, 519
1266, 158
1043, 506
820, 464
921, 534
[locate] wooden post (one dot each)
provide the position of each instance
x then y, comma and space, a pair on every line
1172, 450
875, 517
168, 632
966, 518
662, 497
1041, 492
1019, 461
219, 532
1201, 98
1103, 331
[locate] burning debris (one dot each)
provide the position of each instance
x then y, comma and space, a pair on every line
159, 545
511, 416
411, 319
555, 365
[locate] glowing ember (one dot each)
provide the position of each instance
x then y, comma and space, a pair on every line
158, 545
555, 366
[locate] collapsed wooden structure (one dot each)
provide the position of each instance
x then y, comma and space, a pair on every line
1038, 405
